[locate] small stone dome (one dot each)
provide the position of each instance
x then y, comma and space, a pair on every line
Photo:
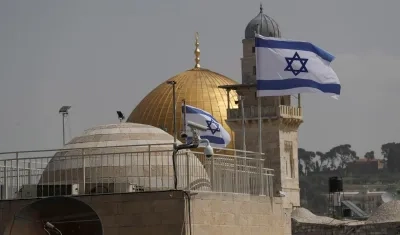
125, 153
266, 25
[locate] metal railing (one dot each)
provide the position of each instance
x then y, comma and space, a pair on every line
122, 169
266, 111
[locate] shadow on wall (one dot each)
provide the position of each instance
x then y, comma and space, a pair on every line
70, 216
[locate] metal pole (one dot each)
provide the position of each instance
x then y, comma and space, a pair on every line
63, 128
174, 105
184, 118
84, 171
173, 83
258, 100
18, 179
243, 125
259, 125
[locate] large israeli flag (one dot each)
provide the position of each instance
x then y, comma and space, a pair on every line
287, 67
216, 133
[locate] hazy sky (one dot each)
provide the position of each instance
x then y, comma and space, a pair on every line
100, 56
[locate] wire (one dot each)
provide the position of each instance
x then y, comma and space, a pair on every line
174, 152
57, 230
75, 221
46, 230
190, 212
12, 226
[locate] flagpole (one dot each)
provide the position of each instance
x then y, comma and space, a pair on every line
184, 118
259, 125
258, 105
173, 83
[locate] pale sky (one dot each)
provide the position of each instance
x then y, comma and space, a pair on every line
100, 56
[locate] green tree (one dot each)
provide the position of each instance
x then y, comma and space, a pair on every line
306, 159
369, 155
326, 163
391, 153
338, 157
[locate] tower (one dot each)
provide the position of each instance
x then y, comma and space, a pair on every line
280, 120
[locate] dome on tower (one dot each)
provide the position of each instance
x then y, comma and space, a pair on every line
266, 25
198, 87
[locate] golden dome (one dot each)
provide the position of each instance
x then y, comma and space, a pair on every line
198, 87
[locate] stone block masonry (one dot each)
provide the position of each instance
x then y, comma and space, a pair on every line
236, 214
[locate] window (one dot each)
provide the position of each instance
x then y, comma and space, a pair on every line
253, 49
254, 70
288, 148
282, 101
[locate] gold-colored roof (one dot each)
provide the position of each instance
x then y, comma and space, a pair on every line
198, 87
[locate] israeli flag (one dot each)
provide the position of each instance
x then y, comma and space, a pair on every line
287, 67
216, 134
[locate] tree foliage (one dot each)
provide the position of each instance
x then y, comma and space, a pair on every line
369, 155
306, 159
335, 159
391, 153
338, 157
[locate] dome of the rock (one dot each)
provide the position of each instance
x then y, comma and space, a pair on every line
198, 87
125, 153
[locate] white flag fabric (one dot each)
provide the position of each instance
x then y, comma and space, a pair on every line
216, 133
287, 67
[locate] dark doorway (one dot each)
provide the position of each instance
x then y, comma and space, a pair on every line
68, 215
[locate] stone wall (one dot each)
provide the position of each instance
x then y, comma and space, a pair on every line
236, 214
167, 213
122, 214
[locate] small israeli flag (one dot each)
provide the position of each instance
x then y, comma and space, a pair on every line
216, 133
287, 67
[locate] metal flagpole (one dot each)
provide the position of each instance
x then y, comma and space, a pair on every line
259, 125
184, 119
173, 83
258, 106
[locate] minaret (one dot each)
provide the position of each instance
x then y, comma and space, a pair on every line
280, 120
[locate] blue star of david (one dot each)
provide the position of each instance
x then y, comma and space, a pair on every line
302, 61
213, 128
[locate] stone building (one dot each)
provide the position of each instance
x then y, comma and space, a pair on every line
120, 178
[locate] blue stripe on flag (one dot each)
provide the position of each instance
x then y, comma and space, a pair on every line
294, 45
193, 110
212, 139
291, 83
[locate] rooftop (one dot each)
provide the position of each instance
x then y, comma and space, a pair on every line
124, 169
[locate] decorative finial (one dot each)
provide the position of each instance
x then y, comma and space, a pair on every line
197, 52
261, 7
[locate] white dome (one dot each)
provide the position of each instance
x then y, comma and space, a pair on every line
124, 153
